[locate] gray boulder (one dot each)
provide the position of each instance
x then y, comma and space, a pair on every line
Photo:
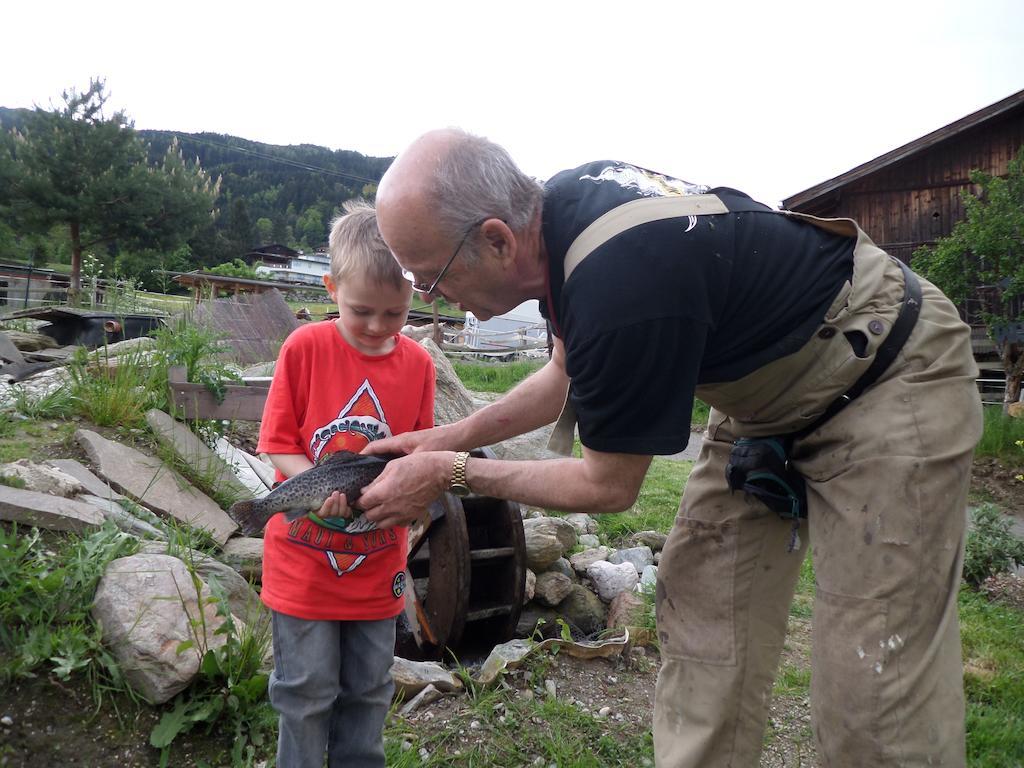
583, 610
640, 557
610, 580
147, 607
547, 539
552, 588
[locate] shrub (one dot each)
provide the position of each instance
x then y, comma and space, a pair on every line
991, 548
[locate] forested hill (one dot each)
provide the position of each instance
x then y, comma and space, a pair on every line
268, 193
271, 178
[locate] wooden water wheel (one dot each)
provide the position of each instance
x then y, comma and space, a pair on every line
468, 570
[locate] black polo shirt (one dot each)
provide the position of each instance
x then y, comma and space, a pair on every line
672, 303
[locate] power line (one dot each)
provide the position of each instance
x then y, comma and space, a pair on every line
271, 158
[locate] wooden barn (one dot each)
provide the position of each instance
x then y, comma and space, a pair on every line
910, 196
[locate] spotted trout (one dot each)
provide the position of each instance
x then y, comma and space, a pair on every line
306, 492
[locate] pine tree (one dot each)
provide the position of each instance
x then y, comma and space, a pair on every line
80, 169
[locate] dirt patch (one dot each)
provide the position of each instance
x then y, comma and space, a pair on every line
997, 481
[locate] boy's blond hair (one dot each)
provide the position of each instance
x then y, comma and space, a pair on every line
356, 247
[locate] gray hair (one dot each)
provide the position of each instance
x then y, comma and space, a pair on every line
356, 247
476, 179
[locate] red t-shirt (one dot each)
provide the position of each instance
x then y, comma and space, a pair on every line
327, 396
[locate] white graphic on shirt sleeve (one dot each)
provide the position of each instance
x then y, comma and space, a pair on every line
647, 183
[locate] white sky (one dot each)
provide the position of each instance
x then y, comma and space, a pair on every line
768, 97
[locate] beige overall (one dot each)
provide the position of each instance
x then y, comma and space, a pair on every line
887, 482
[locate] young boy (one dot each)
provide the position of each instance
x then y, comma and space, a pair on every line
335, 585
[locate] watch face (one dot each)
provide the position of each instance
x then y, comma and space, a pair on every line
458, 489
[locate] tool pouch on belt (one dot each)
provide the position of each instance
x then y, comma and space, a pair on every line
761, 468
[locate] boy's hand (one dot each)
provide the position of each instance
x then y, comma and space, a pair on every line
336, 505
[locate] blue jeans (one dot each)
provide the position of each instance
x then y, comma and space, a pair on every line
332, 688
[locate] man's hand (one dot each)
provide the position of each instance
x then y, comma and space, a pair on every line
407, 486
434, 439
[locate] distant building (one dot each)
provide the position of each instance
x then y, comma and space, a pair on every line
519, 328
272, 254
305, 268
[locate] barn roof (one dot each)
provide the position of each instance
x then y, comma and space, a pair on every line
1014, 102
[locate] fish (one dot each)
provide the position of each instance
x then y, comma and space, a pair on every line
306, 492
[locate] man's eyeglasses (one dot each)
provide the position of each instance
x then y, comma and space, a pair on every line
429, 289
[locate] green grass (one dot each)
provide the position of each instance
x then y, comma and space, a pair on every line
47, 584
493, 377
993, 643
656, 506
1001, 435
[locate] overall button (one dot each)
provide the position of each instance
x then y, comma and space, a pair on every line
876, 327
826, 333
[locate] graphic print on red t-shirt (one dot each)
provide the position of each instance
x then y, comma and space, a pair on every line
359, 422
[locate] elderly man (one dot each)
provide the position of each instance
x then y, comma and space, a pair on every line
842, 389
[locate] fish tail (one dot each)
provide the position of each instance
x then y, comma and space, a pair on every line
249, 516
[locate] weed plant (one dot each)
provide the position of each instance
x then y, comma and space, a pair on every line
230, 691
47, 586
114, 391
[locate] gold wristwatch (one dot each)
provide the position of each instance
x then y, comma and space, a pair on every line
458, 485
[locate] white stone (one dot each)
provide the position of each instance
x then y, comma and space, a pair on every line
611, 579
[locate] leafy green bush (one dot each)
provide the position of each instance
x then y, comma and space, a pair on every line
198, 350
991, 548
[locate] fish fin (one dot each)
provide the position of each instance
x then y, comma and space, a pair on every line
295, 514
249, 516
342, 455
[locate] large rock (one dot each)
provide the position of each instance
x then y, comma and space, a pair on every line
242, 599
245, 555
149, 481
534, 616
610, 580
411, 677
42, 478
561, 565
582, 522
583, 560
640, 557
583, 610
45, 511
147, 607
653, 539
196, 454
626, 610
31, 341
531, 585
547, 539
122, 518
87, 479
552, 588
452, 400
